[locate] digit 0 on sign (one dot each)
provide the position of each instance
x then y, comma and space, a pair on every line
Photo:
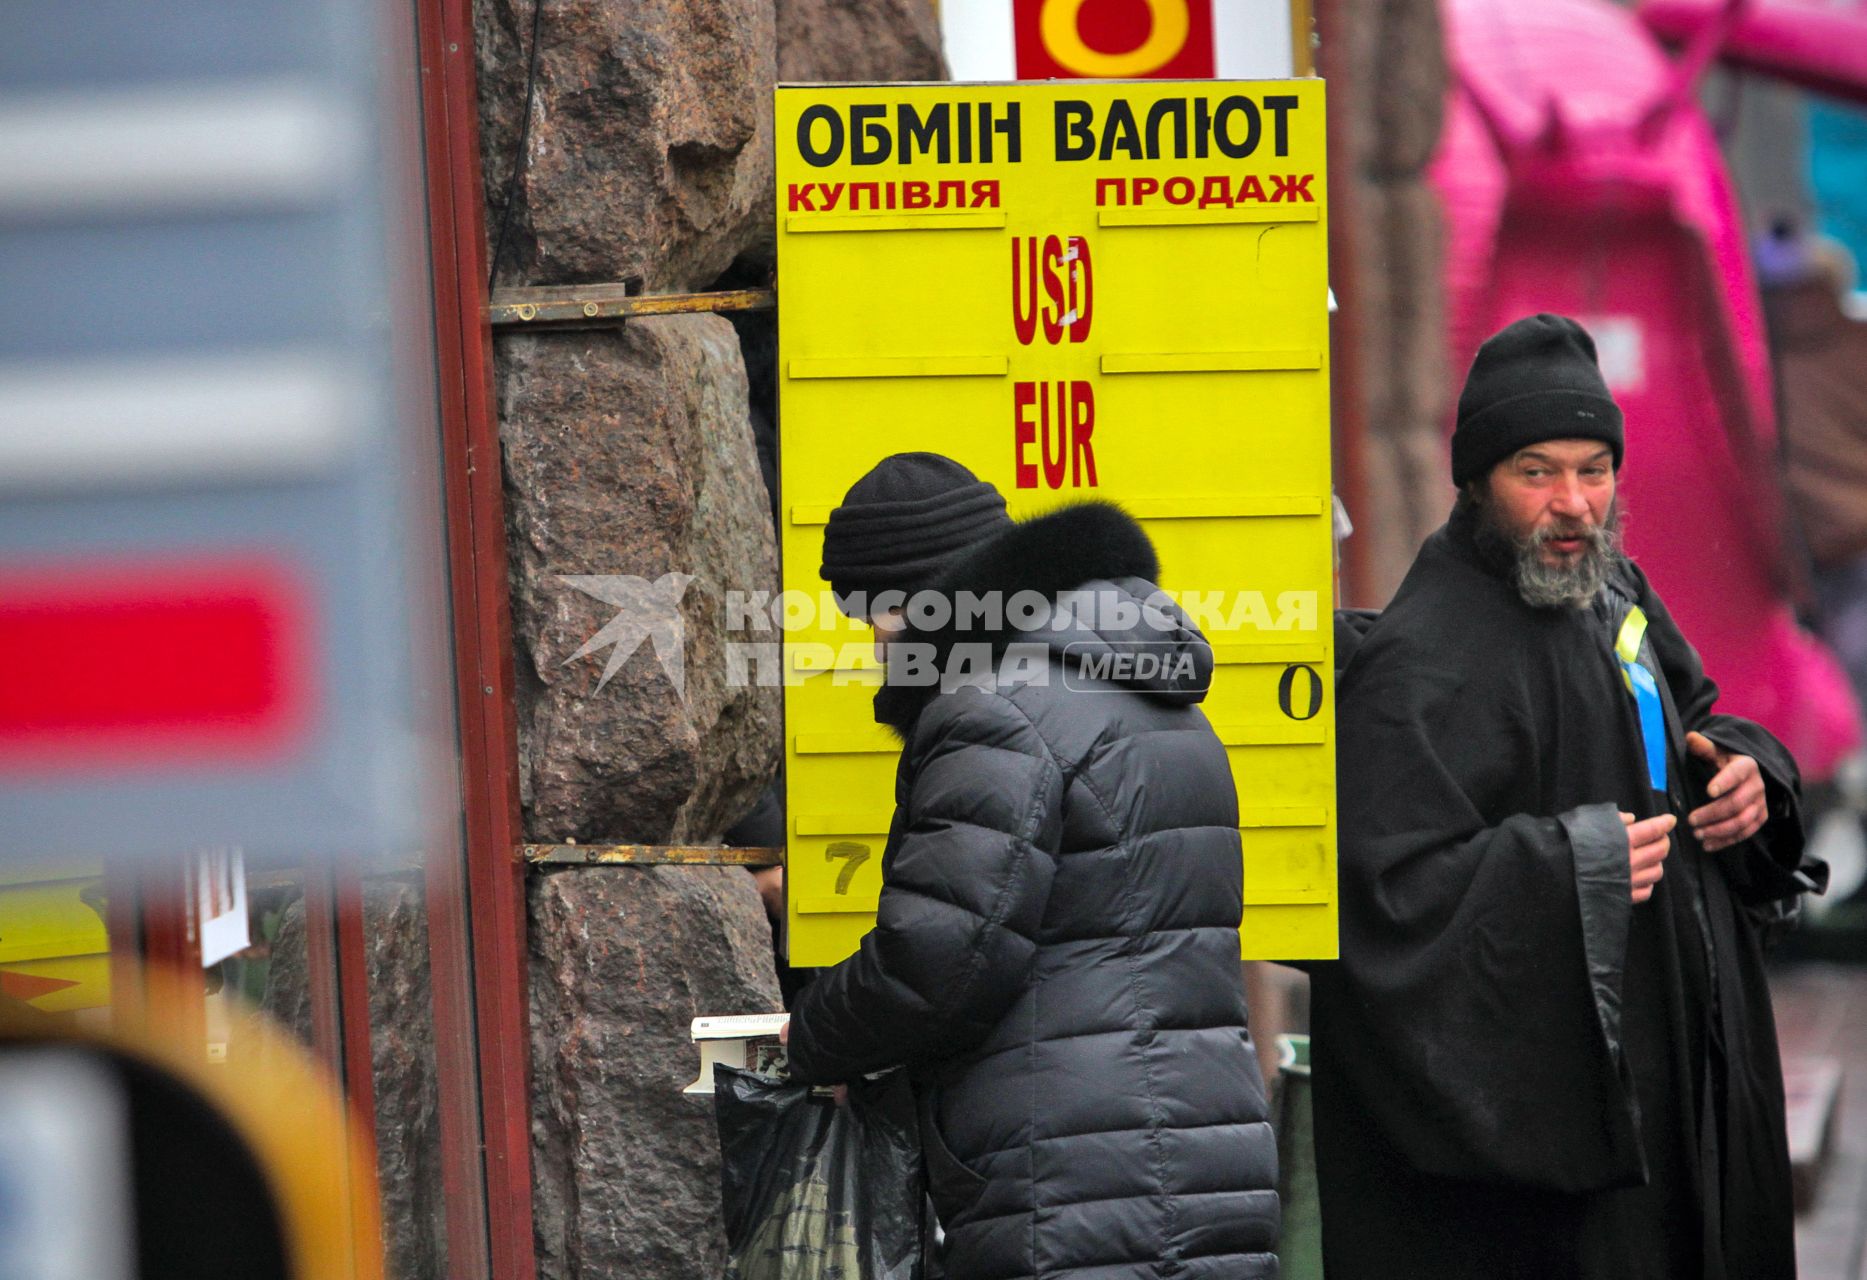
1286, 692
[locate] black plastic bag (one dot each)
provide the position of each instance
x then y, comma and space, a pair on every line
817, 1191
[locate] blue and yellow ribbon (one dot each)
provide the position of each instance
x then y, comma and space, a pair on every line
1641, 684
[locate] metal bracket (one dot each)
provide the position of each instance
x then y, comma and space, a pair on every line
650, 855
607, 306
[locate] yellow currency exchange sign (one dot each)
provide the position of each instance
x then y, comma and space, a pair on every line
1079, 290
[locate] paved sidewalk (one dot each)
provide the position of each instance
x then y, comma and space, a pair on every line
1821, 1013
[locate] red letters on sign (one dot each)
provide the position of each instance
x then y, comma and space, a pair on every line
1024, 288
1067, 280
1060, 419
1056, 312
1082, 289
1023, 432
1082, 426
1055, 426
1052, 423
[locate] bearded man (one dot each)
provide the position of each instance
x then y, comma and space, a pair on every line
1547, 1049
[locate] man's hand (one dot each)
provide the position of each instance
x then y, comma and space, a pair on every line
770, 882
1737, 809
1647, 846
840, 1093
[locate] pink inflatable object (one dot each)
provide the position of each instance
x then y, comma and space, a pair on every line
1579, 176
1819, 44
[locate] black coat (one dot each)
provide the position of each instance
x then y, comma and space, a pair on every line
1056, 954
1518, 1072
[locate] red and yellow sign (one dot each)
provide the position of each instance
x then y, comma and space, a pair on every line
1114, 39
1079, 290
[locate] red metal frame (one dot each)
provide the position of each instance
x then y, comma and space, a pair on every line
338, 972
353, 994
495, 875
342, 890
174, 991
123, 926
338, 967
328, 1023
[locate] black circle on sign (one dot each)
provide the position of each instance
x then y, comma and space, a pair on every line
1286, 688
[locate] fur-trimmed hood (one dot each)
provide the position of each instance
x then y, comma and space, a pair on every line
1104, 621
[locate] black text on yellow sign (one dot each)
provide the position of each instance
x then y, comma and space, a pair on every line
968, 132
1079, 290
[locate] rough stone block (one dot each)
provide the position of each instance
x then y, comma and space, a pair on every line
1349, 41
822, 41
626, 1167
649, 152
1409, 78
1396, 512
630, 455
1364, 288
1421, 385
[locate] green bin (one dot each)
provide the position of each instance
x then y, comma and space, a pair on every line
1300, 1250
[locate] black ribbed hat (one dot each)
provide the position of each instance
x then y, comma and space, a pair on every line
1534, 380
906, 520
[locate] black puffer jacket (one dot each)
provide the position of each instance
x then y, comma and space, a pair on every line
1056, 954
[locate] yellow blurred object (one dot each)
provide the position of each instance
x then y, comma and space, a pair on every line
54, 952
289, 1115
1161, 341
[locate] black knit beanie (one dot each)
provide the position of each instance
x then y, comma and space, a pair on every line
1534, 380
906, 520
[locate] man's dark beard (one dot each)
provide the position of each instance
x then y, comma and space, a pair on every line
1545, 586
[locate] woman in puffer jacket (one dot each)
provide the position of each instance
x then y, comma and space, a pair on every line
1055, 959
